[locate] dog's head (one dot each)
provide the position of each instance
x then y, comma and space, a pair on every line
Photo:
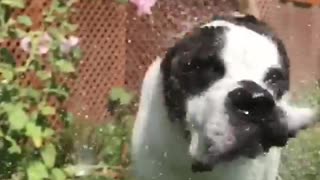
228, 83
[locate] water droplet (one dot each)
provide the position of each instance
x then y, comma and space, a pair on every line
165, 154
256, 95
146, 147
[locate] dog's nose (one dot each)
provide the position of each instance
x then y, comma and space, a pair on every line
252, 99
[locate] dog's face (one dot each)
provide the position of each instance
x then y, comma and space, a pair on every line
227, 82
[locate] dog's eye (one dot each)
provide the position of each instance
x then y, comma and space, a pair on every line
277, 81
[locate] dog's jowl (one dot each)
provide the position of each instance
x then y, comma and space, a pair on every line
216, 107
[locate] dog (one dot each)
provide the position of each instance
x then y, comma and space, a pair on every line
217, 106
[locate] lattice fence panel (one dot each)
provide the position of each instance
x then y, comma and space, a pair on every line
299, 28
149, 36
103, 35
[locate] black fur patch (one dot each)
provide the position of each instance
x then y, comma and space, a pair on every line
190, 67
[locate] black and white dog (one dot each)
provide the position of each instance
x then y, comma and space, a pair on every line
217, 106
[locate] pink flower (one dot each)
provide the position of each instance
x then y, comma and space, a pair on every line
44, 44
144, 6
68, 44
25, 44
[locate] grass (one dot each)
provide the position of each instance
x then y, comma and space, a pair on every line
301, 158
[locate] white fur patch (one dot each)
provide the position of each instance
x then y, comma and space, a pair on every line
247, 54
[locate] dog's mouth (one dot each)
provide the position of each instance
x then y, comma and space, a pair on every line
248, 146
252, 140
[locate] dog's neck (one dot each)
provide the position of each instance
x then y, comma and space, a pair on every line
165, 145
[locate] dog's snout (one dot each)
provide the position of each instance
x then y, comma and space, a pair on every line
251, 99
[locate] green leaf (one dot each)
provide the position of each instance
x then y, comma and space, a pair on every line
34, 131
44, 75
31, 93
61, 10
14, 3
119, 94
7, 57
5, 13
58, 174
14, 148
59, 92
48, 110
37, 171
47, 133
18, 118
123, 1
77, 53
67, 117
7, 74
56, 34
25, 20
65, 66
1, 133
48, 155
69, 27
49, 19
19, 33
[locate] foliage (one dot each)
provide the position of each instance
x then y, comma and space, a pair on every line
28, 144
101, 151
